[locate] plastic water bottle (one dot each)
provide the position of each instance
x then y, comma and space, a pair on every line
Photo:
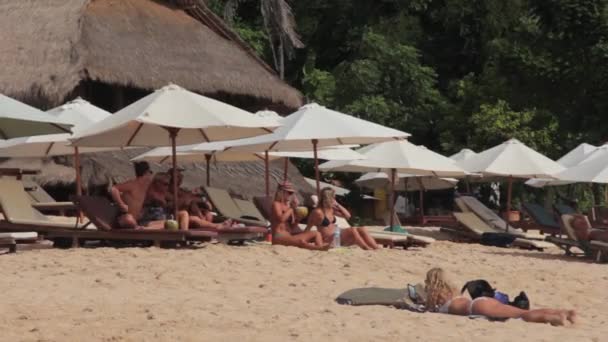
337, 237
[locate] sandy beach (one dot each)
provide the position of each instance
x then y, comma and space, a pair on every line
273, 293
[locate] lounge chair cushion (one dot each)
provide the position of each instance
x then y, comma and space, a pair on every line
249, 209
226, 206
99, 210
563, 209
540, 215
474, 224
16, 204
19, 235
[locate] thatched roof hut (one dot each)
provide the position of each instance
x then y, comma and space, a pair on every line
113, 52
52, 49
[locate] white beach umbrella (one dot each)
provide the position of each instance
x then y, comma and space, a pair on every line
398, 156
216, 151
20, 120
171, 116
80, 114
406, 182
463, 154
570, 159
512, 159
314, 126
592, 170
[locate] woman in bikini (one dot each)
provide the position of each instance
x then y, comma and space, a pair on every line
324, 218
283, 218
443, 297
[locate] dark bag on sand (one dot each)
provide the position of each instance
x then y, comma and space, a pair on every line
497, 239
521, 301
482, 288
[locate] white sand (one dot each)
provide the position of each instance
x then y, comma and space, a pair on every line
265, 293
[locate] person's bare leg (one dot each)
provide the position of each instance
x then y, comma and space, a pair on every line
198, 222
600, 235
351, 236
297, 241
369, 240
155, 225
184, 219
127, 221
492, 308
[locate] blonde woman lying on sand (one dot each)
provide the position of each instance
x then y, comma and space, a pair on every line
283, 218
324, 218
443, 297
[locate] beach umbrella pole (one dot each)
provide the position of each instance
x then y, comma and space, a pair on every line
317, 177
286, 169
267, 174
78, 178
173, 135
392, 217
509, 189
421, 199
208, 168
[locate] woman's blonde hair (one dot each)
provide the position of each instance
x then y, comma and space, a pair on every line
326, 199
438, 287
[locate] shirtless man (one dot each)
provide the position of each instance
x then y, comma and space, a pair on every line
188, 201
130, 195
282, 217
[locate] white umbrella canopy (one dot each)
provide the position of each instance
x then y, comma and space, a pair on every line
20, 120
401, 156
406, 182
570, 159
194, 117
216, 150
593, 170
79, 113
512, 159
173, 116
314, 126
398, 156
314, 122
463, 154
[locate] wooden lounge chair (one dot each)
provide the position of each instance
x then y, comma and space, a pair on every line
474, 227
386, 239
591, 249
540, 219
227, 207
103, 214
43, 202
10, 240
20, 216
416, 240
249, 209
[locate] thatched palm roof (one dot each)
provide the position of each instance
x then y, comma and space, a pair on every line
107, 168
49, 46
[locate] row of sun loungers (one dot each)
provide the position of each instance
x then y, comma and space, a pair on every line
475, 220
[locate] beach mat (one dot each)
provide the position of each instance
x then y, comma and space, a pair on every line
398, 298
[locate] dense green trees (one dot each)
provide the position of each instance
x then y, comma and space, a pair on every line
454, 73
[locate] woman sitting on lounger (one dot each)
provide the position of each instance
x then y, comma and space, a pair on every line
443, 297
283, 218
324, 218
